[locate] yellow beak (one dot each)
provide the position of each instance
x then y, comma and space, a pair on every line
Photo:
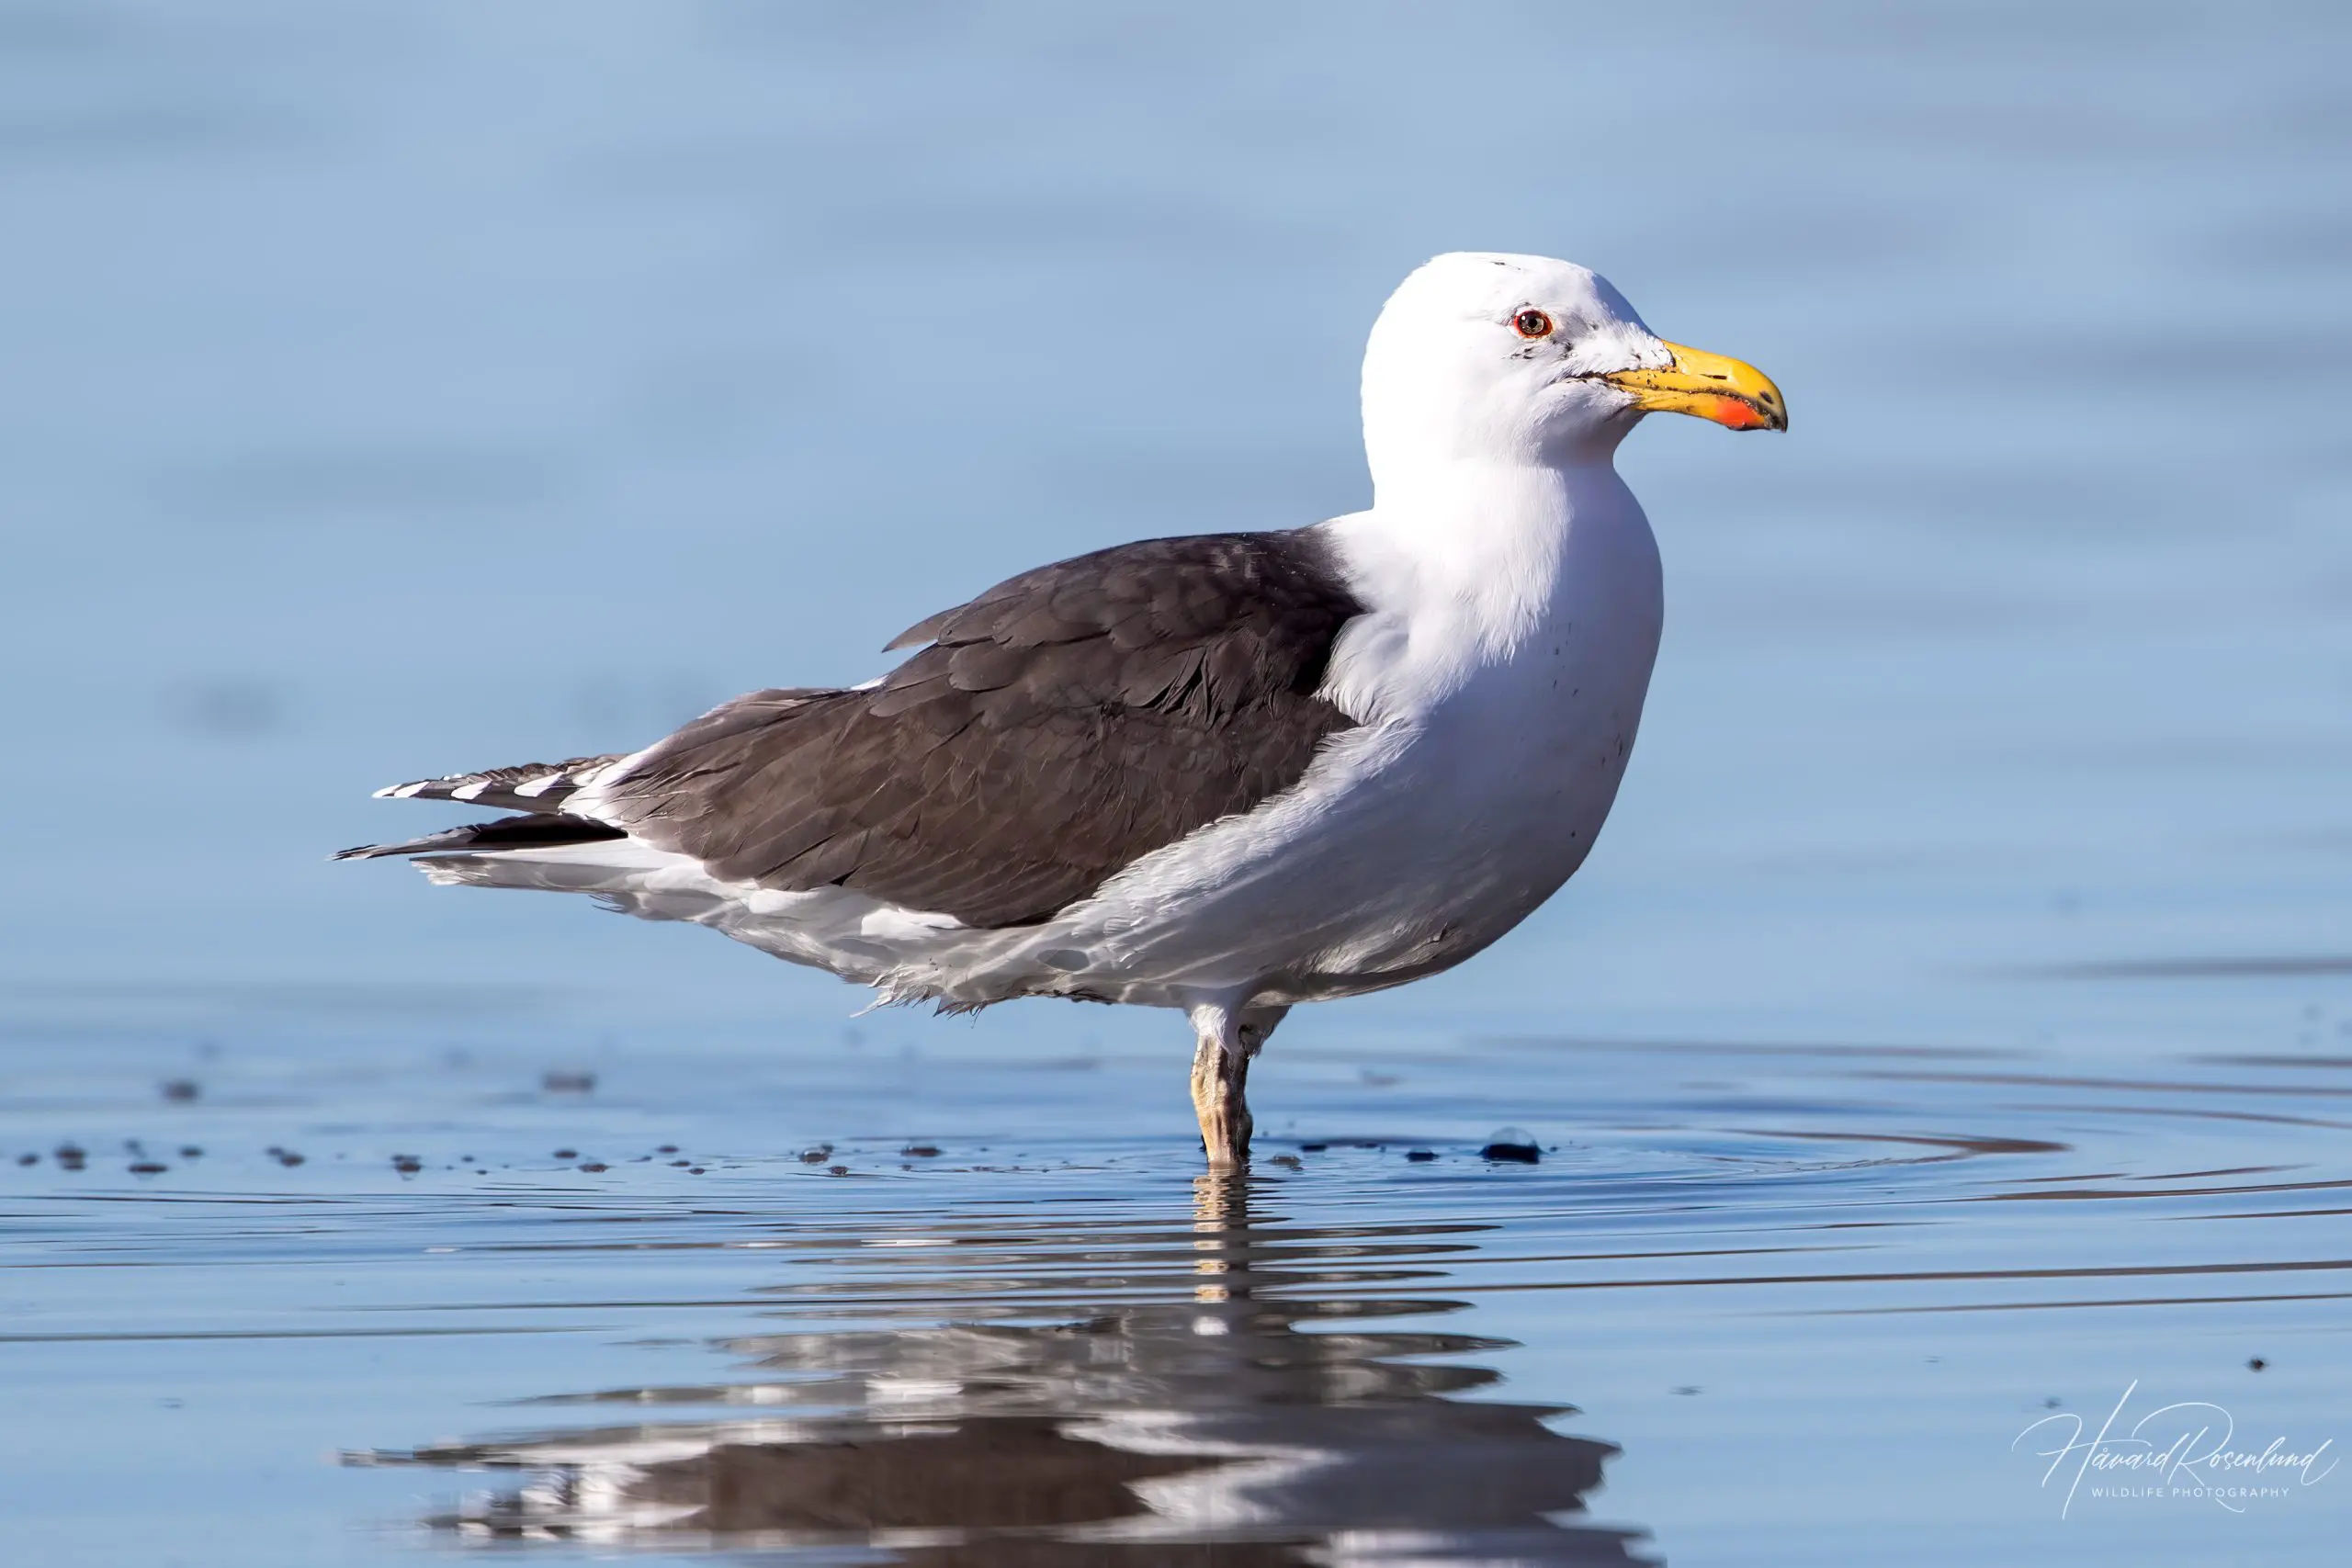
1710, 386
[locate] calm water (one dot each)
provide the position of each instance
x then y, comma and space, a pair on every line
1952, 1032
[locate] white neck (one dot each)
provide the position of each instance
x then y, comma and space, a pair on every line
1459, 561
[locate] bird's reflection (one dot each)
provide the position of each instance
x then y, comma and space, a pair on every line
1205, 1414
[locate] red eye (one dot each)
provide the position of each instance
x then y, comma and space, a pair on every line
1531, 323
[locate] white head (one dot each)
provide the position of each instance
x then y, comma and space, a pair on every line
1487, 357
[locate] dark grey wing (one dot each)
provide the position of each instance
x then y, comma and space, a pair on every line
1058, 727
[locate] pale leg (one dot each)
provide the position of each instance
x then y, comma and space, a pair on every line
1227, 1039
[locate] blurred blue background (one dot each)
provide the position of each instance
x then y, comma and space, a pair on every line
394, 388
389, 388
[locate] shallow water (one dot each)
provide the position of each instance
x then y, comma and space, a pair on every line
1952, 1031
1755, 1304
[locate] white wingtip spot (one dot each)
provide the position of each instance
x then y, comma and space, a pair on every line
397, 792
537, 787
470, 791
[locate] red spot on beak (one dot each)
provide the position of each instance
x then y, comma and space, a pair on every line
1737, 413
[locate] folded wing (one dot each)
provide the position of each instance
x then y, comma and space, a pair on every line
1055, 730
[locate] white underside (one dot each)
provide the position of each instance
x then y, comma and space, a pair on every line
1499, 706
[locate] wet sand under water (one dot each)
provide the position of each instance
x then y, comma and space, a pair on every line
1756, 1304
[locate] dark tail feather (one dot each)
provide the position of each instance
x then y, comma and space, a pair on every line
533, 786
531, 832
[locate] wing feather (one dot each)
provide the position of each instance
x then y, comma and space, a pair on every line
1050, 732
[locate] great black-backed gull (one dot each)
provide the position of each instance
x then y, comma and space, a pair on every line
1226, 773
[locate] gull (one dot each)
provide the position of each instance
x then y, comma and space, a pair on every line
1226, 773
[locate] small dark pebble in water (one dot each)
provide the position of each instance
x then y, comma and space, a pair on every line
1511, 1145
288, 1158
694, 1170
567, 1082
591, 1166
1421, 1156
1312, 1149
71, 1156
29, 1159
148, 1167
816, 1156
921, 1151
1288, 1162
190, 1151
1687, 1388
567, 1154
667, 1149
181, 1090
407, 1164
676, 1163
2256, 1364
837, 1171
